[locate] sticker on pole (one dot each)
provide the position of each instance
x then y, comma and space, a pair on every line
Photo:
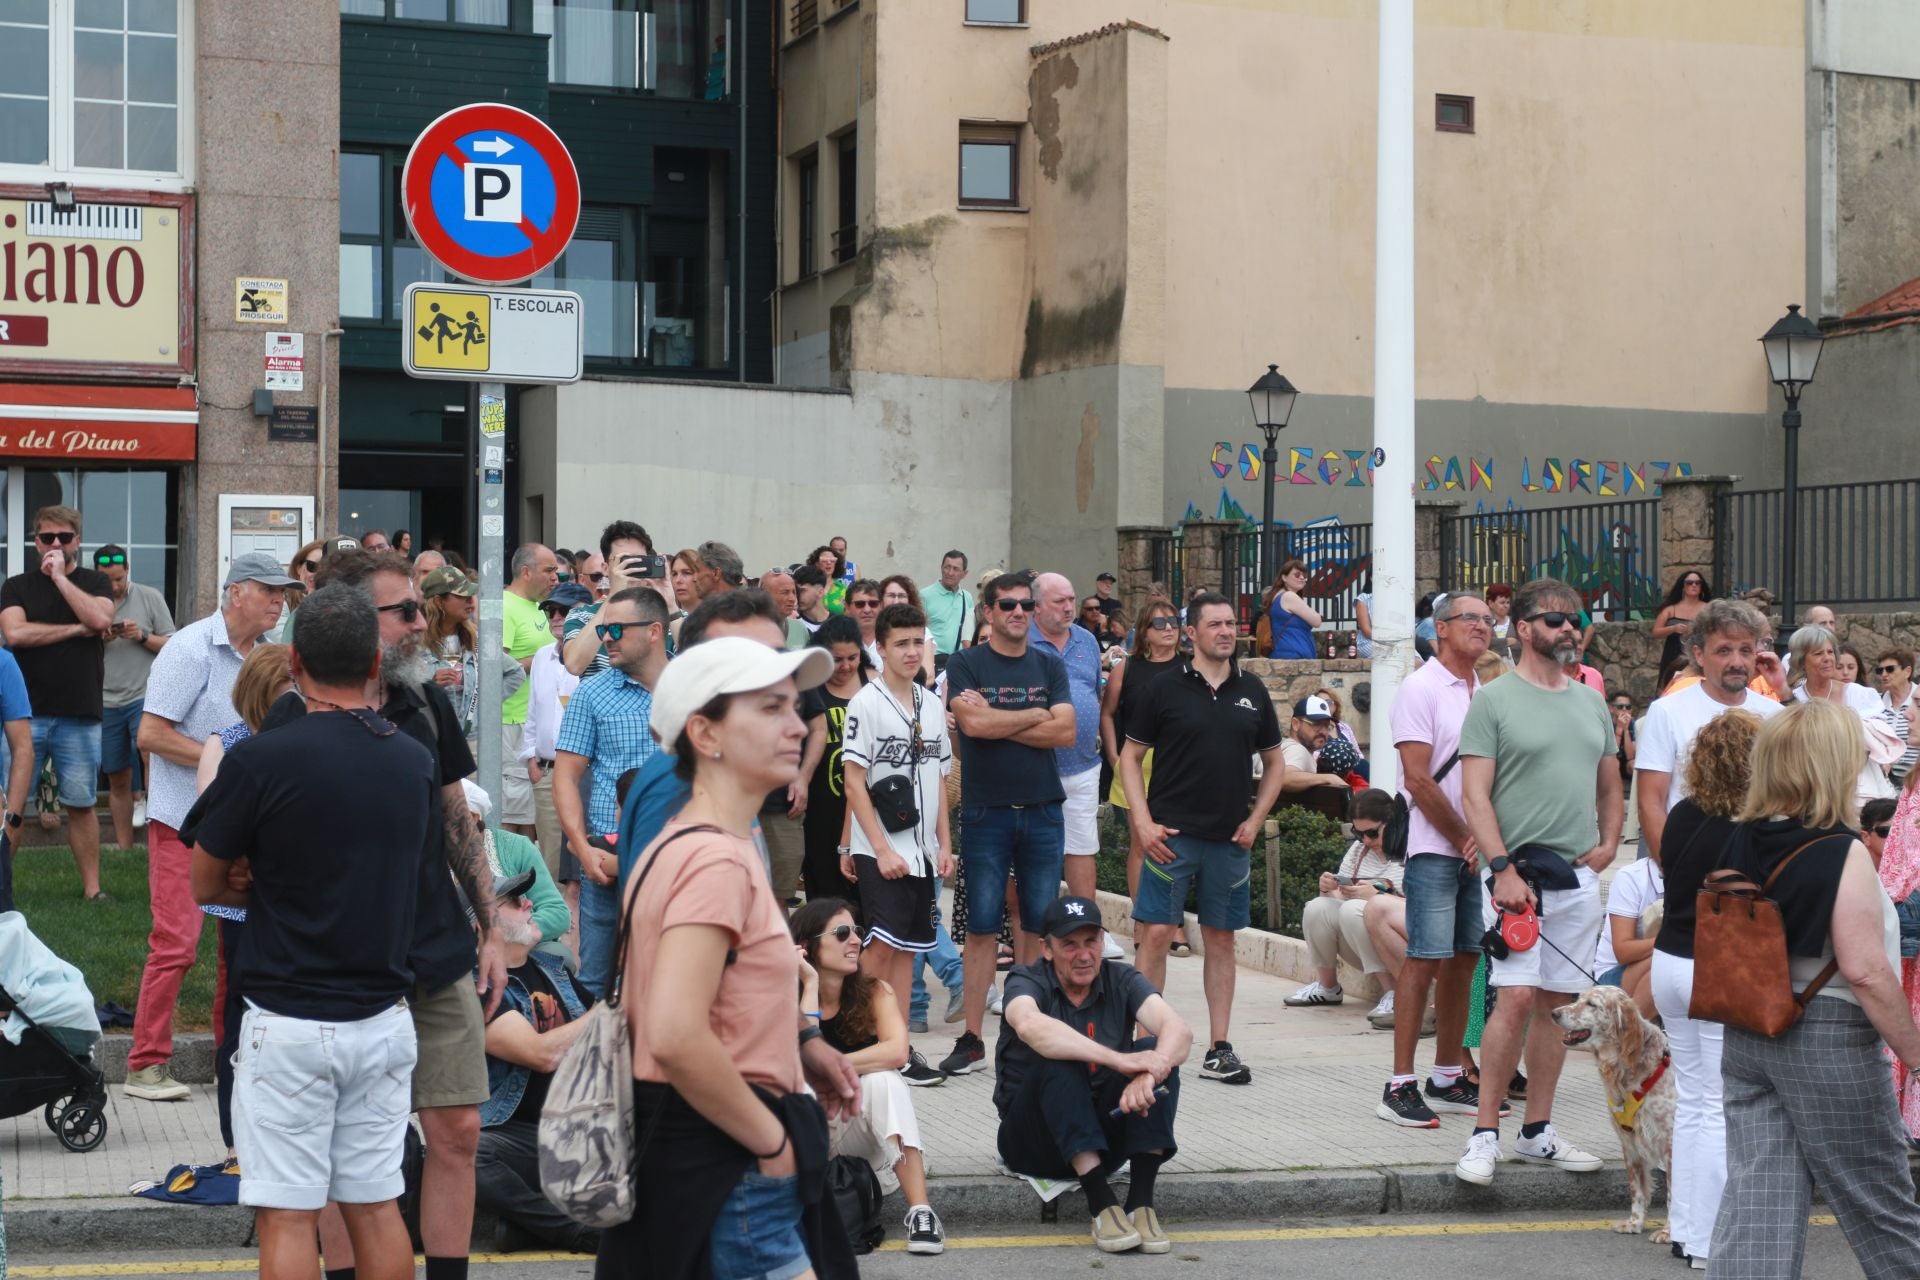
491, 193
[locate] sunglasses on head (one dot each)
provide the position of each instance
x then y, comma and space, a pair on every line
1022, 605
409, 610
1367, 833
839, 933
117, 558
61, 536
1555, 619
1883, 830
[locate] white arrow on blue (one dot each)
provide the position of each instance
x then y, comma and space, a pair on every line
496, 148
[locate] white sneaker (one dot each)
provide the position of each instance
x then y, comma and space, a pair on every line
1315, 994
1551, 1148
1382, 1012
140, 812
1483, 1153
994, 1003
1113, 950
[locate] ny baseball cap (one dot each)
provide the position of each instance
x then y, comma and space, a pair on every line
260, 567
1313, 708
1068, 915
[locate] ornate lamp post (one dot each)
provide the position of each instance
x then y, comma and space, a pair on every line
1793, 352
1272, 398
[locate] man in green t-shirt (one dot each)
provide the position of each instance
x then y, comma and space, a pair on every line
536, 571
949, 608
1541, 791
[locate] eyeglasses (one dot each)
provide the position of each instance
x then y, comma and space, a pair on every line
839, 933
1555, 619
311, 566
1164, 623
1623, 706
1883, 830
1367, 833
409, 610
117, 558
61, 536
614, 630
1484, 619
1005, 605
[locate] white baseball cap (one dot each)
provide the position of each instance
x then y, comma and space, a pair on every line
727, 664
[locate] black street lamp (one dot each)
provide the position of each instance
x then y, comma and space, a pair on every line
1793, 352
1272, 399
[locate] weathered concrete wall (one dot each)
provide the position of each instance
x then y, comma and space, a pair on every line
904, 467
1858, 418
1878, 171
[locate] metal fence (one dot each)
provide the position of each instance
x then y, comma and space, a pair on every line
1339, 560
1855, 544
1608, 551
1169, 563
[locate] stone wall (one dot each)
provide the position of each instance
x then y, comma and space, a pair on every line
1629, 657
1289, 681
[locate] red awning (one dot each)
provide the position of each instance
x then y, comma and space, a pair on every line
62, 421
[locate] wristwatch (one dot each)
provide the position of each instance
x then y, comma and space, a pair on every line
13, 819
1499, 863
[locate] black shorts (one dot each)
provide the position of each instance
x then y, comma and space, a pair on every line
899, 912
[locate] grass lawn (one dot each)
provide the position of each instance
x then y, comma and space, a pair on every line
107, 941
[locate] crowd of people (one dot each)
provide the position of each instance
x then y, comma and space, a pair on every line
732, 806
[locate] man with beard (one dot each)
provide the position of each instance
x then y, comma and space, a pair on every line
607, 728
1542, 797
450, 1078
1723, 641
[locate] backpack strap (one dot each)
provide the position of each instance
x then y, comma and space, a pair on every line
1447, 768
1832, 967
616, 979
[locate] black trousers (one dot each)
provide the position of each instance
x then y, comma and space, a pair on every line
506, 1183
233, 1009
1061, 1110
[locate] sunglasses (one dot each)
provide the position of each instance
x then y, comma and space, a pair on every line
1012, 606
63, 537
1164, 623
409, 610
1555, 619
614, 630
596, 577
120, 559
863, 604
1623, 706
1886, 671
1368, 833
311, 566
1882, 831
839, 933
556, 610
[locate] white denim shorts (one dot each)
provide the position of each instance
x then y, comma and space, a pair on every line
1570, 921
320, 1108
1081, 812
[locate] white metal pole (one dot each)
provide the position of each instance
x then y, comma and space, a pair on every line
490, 400
1393, 385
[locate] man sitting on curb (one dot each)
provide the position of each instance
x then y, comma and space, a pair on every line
541, 1013
1078, 1095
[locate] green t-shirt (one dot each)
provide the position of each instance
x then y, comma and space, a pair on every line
524, 632
949, 617
1546, 749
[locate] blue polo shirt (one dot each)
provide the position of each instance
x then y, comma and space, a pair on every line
1082, 656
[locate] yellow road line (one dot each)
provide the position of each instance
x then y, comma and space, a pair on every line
218, 1266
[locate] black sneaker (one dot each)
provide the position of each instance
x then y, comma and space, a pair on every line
918, 1072
1461, 1098
1404, 1107
968, 1053
1224, 1065
1517, 1088
923, 1231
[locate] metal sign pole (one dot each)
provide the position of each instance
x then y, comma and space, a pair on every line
487, 407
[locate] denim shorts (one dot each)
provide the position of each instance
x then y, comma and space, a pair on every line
74, 744
757, 1235
1028, 842
119, 734
1443, 908
1224, 871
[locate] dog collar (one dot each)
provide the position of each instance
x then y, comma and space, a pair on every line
1624, 1112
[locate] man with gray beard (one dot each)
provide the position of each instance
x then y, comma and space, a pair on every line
450, 1078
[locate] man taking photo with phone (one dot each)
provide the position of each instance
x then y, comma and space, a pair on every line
628, 550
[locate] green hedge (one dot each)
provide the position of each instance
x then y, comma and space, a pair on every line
1310, 843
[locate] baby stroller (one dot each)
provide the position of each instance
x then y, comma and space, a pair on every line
40, 1071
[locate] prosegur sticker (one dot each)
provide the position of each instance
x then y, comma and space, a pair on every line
259, 300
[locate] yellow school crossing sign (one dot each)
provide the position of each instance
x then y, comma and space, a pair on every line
499, 335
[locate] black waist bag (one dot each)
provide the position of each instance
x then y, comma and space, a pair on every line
894, 802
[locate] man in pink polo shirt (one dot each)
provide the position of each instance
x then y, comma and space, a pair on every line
1444, 922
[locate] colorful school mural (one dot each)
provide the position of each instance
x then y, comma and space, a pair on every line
1603, 478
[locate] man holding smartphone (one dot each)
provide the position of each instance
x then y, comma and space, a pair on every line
141, 624
628, 550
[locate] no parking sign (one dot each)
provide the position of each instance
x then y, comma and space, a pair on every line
491, 193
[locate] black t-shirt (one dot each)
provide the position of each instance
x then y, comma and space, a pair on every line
1137, 674
443, 945
997, 772
338, 815
811, 705
1690, 847
832, 1030
1204, 740
548, 1011
1113, 1001
63, 679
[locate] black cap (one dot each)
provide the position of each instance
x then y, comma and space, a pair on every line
1068, 915
513, 886
1106, 577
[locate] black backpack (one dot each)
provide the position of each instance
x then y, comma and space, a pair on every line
856, 1195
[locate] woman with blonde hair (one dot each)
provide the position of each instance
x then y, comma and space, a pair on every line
1697, 829
1815, 1103
305, 564
684, 570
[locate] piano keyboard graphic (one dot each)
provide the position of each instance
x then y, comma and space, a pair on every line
92, 221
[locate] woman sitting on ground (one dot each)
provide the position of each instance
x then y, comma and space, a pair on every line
1336, 922
860, 1016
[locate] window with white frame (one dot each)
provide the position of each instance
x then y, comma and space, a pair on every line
92, 87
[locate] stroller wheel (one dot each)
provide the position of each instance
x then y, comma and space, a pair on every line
82, 1127
53, 1111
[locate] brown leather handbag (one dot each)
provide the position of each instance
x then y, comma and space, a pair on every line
1740, 973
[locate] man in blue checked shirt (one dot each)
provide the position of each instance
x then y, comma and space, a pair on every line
607, 728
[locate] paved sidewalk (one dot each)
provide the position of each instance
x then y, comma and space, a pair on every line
1317, 1075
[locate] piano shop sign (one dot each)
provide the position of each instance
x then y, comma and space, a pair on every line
103, 289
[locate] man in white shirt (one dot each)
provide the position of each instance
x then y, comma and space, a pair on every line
1724, 641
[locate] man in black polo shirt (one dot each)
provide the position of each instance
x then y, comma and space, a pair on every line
1205, 719
1078, 1095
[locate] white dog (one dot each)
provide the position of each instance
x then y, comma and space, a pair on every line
1638, 1078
